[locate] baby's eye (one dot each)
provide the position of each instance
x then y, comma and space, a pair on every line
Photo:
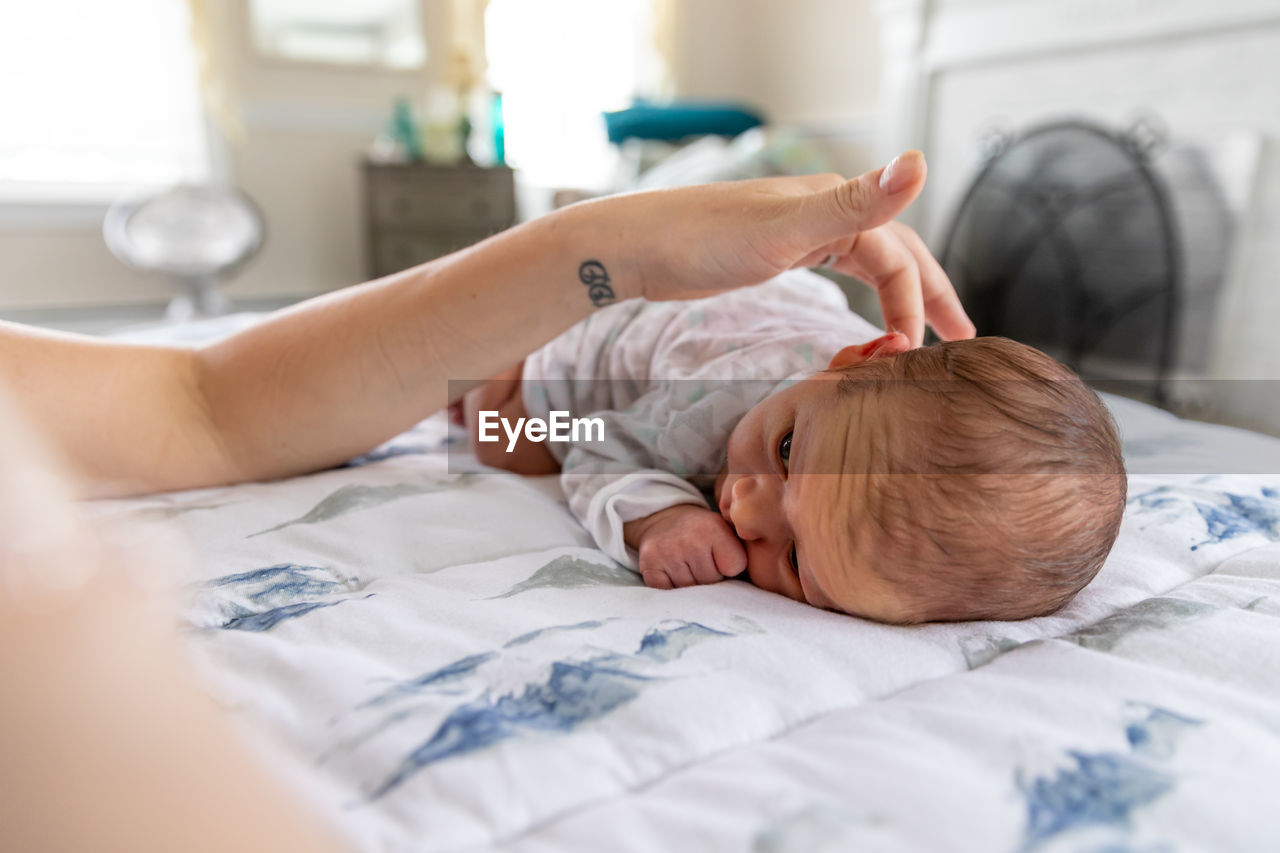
784, 448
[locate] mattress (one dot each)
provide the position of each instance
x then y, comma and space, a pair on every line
435, 656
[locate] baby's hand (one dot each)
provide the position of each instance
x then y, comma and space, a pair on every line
685, 545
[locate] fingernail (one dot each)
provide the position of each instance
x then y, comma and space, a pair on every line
900, 173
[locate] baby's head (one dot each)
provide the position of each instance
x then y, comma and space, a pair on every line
974, 479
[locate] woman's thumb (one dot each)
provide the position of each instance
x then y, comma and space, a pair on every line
871, 199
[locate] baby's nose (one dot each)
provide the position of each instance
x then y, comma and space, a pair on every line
755, 507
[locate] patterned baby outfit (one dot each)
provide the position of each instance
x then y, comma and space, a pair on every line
670, 380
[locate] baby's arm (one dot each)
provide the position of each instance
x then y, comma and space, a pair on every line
685, 545
630, 490
502, 394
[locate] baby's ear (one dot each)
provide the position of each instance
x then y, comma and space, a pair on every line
890, 344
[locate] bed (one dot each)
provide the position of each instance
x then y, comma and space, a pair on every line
437, 658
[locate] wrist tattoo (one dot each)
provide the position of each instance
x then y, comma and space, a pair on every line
596, 279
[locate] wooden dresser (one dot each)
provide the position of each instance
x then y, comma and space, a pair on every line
417, 212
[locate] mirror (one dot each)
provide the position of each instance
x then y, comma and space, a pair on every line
382, 33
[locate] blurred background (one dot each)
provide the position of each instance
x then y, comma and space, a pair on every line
1103, 180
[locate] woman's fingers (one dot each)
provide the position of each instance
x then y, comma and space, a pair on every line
854, 221
912, 286
882, 260
815, 259
942, 308
868, 201
902, 303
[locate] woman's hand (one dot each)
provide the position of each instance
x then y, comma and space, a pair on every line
694, 241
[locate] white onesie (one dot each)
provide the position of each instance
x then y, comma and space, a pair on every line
655, 373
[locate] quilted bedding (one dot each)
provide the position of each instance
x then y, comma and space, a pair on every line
437, 657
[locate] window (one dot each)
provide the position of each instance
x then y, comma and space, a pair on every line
559, 64
98, 99
384, 33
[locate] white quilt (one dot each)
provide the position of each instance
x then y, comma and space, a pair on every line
440, 660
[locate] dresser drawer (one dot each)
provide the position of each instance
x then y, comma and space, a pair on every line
392, 252
441, 197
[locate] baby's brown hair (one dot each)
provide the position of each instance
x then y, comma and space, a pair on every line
1004, 497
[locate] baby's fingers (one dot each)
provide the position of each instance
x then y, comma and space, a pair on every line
703, 568
681, 574
730, 557
661, 571
656, 579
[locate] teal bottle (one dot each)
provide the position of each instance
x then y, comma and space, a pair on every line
499, 130
404, 130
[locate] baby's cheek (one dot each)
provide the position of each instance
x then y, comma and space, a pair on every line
813, 589
766, 576
757, 574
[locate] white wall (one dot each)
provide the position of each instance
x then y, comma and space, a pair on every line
809, 63
803, 61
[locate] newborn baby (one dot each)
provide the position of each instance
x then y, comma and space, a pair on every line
967, 480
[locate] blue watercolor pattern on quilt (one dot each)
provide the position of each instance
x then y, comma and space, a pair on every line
564, 692
1105, 789
442, 680
1226, 515
265, 620
283, 580
260, 599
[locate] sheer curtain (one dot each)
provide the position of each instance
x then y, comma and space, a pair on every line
99, 98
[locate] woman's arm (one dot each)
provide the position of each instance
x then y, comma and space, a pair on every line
328, 379
312, 385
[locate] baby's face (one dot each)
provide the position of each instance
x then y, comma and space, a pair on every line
806, 526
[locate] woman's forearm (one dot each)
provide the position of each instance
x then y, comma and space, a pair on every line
332, 377
125, 418
311, 386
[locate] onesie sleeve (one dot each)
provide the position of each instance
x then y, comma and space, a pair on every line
675, 431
